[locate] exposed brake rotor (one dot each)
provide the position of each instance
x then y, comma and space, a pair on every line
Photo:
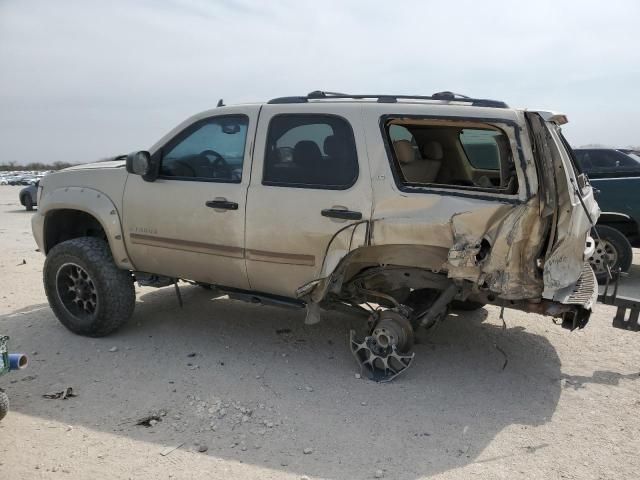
384, 353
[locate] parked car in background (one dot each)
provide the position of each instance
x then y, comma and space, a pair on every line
14, 180
615, 176
631, 152
29, 196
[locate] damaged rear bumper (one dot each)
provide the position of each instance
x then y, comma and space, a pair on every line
584, 292
573, 304
577, 300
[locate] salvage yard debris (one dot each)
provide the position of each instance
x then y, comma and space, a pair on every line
166, 451
151, 419
62, 395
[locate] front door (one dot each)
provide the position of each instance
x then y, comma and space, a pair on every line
189, 223
310, 195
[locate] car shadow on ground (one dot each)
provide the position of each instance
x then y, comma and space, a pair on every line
22, 210
270, 386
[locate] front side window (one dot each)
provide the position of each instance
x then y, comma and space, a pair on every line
310, 151
210, 150
467, 157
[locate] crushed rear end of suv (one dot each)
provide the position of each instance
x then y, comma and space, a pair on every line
396, 208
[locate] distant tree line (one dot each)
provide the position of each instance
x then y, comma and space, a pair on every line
11, 166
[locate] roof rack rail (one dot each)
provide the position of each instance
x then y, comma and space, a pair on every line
440, 96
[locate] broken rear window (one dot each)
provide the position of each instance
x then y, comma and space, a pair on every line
461, 155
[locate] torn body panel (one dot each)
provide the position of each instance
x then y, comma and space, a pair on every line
499, 253
575, 210
491, 245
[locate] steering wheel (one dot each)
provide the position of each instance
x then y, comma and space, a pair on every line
218, 164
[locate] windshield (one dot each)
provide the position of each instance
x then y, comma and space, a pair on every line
635, 156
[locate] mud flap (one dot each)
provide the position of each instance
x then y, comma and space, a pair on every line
379, 364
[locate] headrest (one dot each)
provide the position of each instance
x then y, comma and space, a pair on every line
432, 150
404, 151
332, 146
306, 152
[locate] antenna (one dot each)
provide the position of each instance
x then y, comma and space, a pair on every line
220, 103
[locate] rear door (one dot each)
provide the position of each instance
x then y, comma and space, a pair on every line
310, 195
486, 233
574, 207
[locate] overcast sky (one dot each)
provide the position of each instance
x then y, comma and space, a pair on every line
81, 80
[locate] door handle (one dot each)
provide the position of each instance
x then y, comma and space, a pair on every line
222, 204
343, 214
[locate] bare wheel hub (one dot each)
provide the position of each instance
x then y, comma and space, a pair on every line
76, 290
383, 355
393, 329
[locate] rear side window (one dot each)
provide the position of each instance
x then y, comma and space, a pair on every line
595, 159
427, 152
310, 151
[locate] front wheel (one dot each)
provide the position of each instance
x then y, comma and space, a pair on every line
613, 249
28, 203
4, 404
88, 293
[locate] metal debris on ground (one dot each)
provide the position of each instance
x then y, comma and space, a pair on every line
504, 354
166, 451
151, 419
495, 344
62, 395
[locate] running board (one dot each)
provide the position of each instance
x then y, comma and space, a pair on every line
260, 298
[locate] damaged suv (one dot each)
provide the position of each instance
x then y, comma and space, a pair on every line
391, 206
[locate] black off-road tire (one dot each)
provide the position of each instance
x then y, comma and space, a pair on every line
28, 203
622, 247
114, 287
4, 404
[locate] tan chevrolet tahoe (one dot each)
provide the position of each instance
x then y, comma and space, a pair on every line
398, 208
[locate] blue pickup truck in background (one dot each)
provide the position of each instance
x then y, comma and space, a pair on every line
615, 176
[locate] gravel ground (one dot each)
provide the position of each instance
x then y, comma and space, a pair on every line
251, 392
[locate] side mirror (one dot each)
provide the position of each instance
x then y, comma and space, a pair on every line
140, 163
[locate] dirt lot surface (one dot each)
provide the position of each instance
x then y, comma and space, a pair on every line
256, 389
